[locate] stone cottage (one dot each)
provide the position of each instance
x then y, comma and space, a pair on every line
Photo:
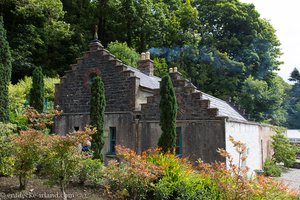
204, 122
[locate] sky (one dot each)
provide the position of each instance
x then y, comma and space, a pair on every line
284, 15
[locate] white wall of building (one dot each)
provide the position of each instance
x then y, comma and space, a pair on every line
249, 135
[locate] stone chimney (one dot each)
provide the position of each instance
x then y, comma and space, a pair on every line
174, 73
145, 64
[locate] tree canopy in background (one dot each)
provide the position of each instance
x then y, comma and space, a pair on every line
223, 46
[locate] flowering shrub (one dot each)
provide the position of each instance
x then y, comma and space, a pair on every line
233, 183
179, 179
133, 177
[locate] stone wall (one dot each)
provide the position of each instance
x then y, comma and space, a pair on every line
203, 130
73, 93
122, 121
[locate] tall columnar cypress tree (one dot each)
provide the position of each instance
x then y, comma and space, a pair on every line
37, 90
168, 112
97, 116
5, 73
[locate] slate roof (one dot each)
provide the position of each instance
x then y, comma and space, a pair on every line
224, 108
151, 82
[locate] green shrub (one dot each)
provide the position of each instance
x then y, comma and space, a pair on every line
121, 50
90, 171
6, 148
284, 151
133, 177
19, 120
179, 180
18, 93
272, 169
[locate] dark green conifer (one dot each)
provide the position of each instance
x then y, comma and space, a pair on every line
37, 90
97, 116
5, 73
168, 112
295, 75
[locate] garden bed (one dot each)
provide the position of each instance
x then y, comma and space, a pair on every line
38, 189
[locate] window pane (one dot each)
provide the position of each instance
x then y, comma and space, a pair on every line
178, 141
113, 137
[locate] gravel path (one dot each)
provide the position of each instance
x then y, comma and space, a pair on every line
291, 177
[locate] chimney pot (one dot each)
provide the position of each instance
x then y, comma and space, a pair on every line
170, 70
175, 69
143, 56
145, 65
147, 55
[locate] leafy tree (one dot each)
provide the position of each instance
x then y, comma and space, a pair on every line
97, 116
38, 36
128, 55
5, 73
295, 75
284, 151
62, 160
28, 147
161, 67
264, 102
37, 90
168, 112
293, 103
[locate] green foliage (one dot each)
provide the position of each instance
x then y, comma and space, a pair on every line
157, 175
264, 101
19, 93
62, 158
284, 151
39, 36
293, 103
161, 67
5, 73
91, 171
6, 148
28, 148
202, 38
179, 181
132, 178
295, 75
97, 116
36, 98
126, 54
168, 112
272, 169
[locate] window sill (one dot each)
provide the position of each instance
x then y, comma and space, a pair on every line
109, 155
